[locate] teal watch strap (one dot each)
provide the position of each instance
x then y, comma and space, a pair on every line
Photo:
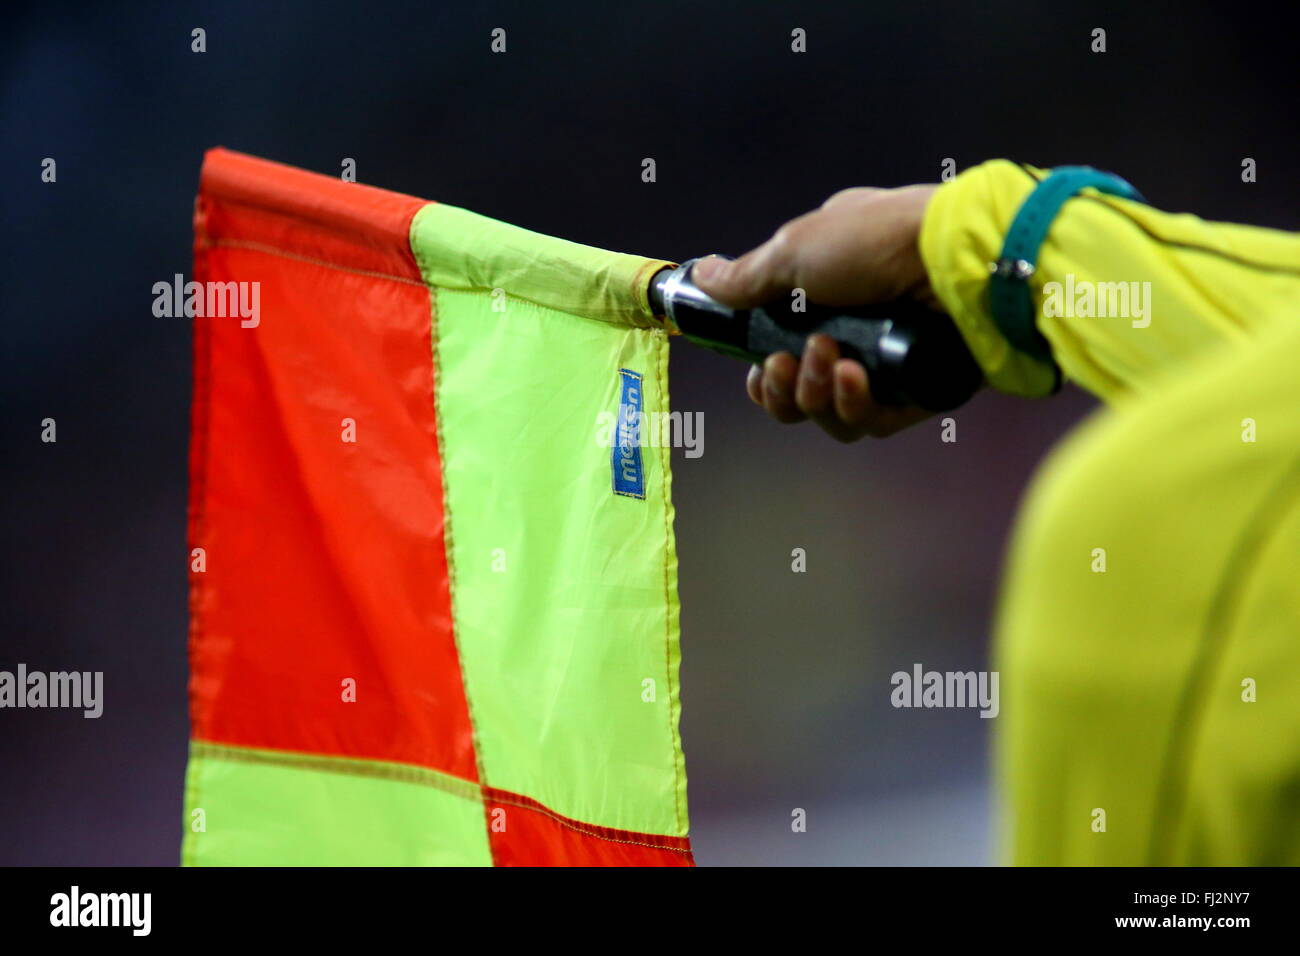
1011, 299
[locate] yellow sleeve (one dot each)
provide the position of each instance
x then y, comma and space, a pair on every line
1124, 293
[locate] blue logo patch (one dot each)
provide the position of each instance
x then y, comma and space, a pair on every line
629, 475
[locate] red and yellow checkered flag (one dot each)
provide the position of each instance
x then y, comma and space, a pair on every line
434, 618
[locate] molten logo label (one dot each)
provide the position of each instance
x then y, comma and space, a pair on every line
629, 475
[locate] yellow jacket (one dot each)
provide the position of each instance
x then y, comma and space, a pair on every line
1148, 634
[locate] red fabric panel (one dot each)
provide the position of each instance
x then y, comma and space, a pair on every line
317, 216
535, 836
325, 559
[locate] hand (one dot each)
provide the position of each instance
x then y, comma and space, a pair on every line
860, 248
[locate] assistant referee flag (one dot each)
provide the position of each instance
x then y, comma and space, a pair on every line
434, 615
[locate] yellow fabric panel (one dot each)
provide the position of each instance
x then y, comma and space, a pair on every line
564, 591
465, 251
564, 584
248, 806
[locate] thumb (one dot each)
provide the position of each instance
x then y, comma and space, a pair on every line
756, 277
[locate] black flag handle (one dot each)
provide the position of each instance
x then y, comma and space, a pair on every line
913, 356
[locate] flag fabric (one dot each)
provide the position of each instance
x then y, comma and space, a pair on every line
434, 614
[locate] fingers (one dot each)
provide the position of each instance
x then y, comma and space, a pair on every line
853, 402
814, 390
780, 374
756, 277
832, 391
792, 391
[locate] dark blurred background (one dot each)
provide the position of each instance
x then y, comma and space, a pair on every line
786, 676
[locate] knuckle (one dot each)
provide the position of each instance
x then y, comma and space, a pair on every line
795, 232
784, 238
850, 196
